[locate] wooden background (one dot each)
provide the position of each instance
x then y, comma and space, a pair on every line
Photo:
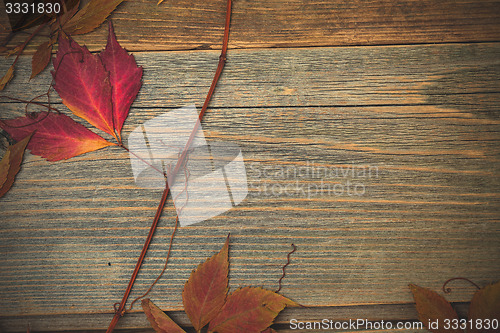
411, 88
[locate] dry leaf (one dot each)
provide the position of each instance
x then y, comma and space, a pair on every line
11, 163
4, 168
159, 320
125, 77
56, 136
205, 291
91, 16
249, 310
431, 307
83, 84
41, 58
7, 77
65, 17
269, 330
485, 305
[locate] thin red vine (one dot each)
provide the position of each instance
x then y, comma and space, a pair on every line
284, 266
448, 290
222, 61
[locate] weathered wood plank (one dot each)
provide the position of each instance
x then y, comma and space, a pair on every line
134, 320
427, 216
463, 76
190, 24
425, 117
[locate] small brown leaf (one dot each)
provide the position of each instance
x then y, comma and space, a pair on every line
11, 163
41, 58
206, 289
431, 307
7, 77
485, 305
249, 310
91, 16
4, 168
64, 18
159, 320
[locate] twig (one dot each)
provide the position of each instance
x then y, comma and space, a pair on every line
448, 290
220, 66
284, 266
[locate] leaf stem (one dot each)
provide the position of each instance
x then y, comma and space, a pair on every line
120, 144
222, 61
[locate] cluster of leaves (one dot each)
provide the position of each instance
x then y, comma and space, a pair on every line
71, 21
207, 302
98, 88
432, 307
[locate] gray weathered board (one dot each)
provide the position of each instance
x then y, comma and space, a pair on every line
425, 117
141, 25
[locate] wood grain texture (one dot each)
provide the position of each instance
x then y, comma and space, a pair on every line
424, 118
450, 77
91, 322
190, 24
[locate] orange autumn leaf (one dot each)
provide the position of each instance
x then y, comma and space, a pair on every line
11, 163
431, 307
41, 58
205, 291
249, 310
485, 305
159, 320
90, 16
55, 135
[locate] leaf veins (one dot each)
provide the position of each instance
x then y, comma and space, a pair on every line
56, 136
205, 291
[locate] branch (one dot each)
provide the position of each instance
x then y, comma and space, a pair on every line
120, 311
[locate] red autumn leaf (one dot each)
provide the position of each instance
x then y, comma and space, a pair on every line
485, 305
249, 310
83, 84
11, 163
125, 77
159, 320
431, 307
206, 289
269, 330
41, 58
56, 136
90, 16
